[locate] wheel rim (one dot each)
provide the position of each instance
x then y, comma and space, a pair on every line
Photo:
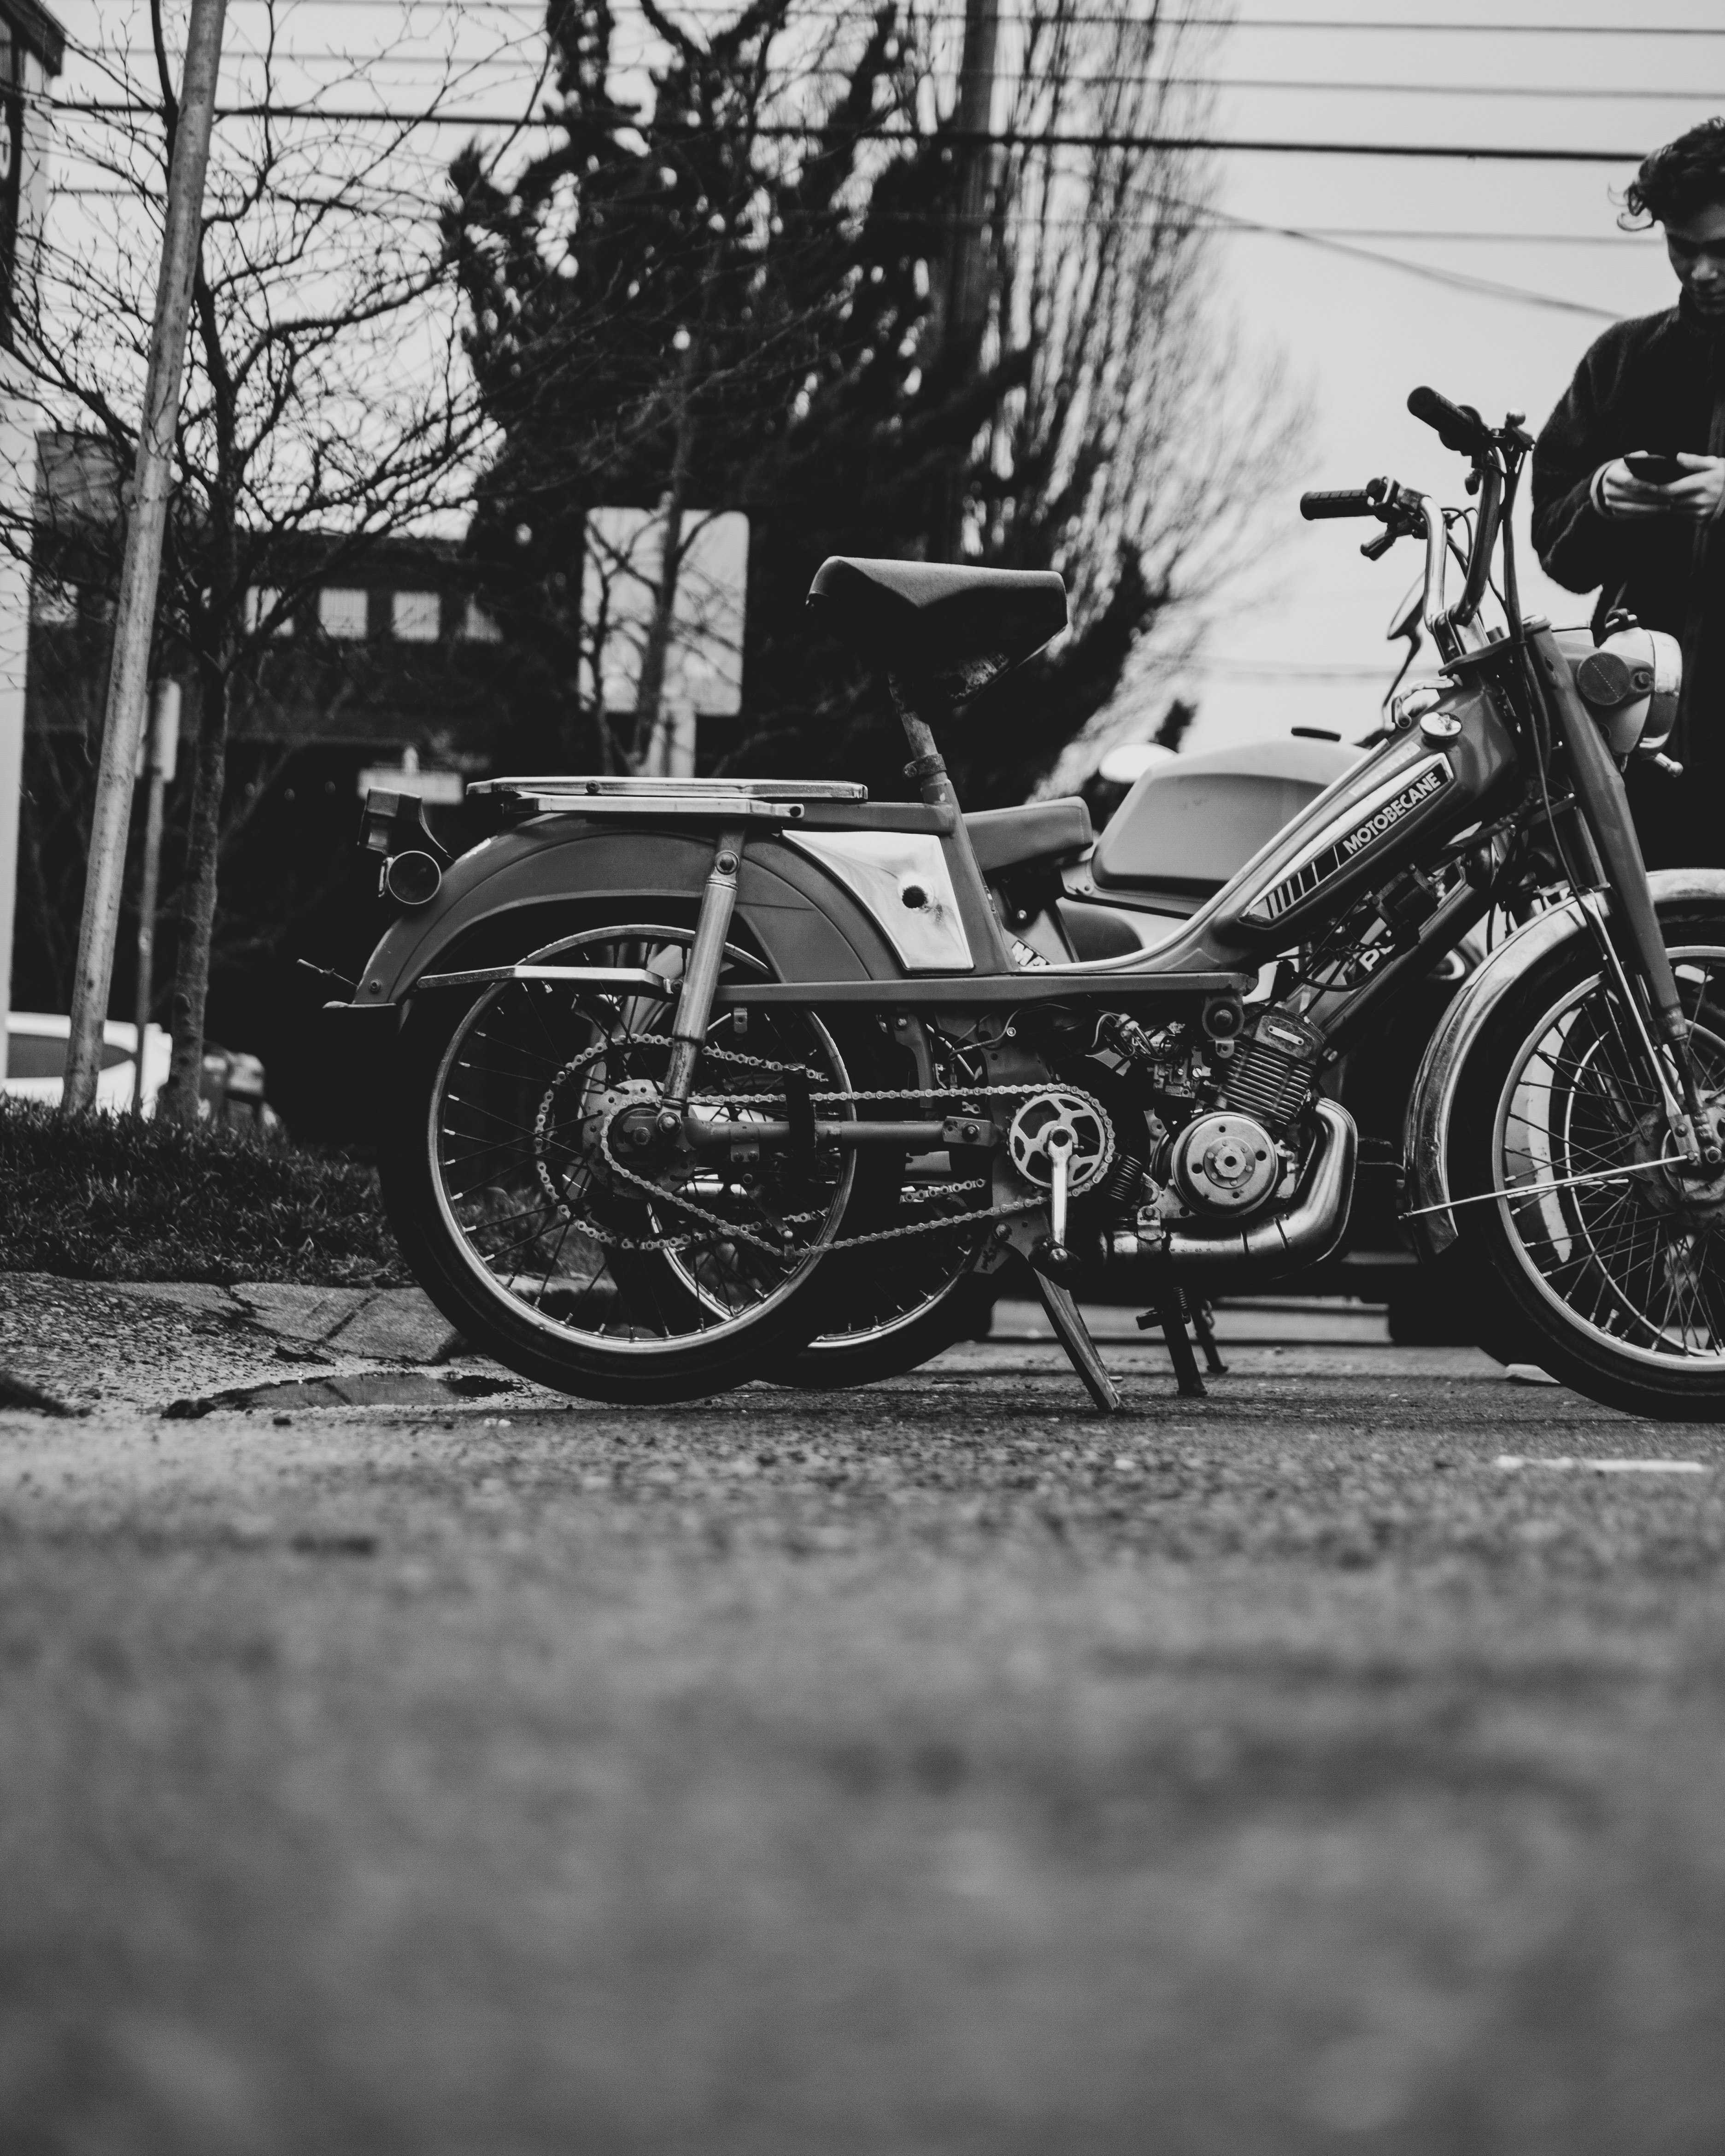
1637, 1264
535, 1206
926, 1271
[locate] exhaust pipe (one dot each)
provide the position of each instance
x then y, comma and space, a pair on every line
1307, 1234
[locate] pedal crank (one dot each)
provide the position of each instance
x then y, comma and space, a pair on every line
1074, 1336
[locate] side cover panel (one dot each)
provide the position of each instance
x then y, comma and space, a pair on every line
808, 925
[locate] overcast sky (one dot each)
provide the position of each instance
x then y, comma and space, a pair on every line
1306, 648
1363, 335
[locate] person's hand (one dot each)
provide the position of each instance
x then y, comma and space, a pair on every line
1700, 494
1697, 497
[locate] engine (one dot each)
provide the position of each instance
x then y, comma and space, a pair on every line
1224, 1109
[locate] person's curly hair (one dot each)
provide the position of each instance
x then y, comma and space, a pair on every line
1684, 177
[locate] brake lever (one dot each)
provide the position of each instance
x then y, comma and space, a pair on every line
1374, 550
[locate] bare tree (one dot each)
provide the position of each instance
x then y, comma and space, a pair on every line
327, 398
1137, 452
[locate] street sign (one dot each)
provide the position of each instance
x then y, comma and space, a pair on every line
159, 746
437, 789
621, 571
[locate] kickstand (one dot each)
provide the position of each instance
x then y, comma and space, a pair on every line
1074, 1336
1169, 1312
1204, 1324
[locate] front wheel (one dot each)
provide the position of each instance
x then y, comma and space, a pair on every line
1606, 1253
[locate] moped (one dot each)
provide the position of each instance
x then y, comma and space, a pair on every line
682, 1070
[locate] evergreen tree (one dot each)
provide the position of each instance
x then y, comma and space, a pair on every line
731, 295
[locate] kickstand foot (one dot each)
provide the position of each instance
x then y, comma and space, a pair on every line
1169, 1312
1074, 1336
1204, 1324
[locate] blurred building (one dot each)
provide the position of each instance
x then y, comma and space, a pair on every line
370, 656
32, 47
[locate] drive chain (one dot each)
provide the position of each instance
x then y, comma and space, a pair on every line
733, 1231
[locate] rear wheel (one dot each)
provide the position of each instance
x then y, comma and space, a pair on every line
914, 1308
548, 1219
1607, 1254
896, 1304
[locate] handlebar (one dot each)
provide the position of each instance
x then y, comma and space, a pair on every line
1458, 427
1348, 501
1496, 456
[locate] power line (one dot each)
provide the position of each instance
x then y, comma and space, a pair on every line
801, 131
1385, 89
1642, 242
1440, 29
1112, 18
1645, 241
1290, 669
1459, 280
1292, 85
1217, 221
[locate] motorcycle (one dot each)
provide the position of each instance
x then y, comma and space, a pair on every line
676, 1064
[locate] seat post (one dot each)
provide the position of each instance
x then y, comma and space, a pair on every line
928, 768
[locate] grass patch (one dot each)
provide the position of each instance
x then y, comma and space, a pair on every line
105, 1197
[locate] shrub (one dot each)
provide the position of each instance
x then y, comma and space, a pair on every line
103, 1196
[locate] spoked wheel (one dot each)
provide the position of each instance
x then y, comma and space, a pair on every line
896, 1313
1609, 1251
551, 1220
895, 1305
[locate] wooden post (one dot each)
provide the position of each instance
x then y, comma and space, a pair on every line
160, 757
134, 618
967, 294
967, 282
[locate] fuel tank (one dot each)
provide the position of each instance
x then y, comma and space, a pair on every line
1453, 767
1190, 824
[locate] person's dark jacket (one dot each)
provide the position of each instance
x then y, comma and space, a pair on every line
1657, 384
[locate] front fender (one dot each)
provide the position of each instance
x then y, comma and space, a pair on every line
808, 925
1426, 1140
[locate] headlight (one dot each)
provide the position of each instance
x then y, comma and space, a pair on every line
1631, 683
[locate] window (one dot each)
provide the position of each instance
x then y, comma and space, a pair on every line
53, 602
478, 627
340, 612
262, 599
415, 617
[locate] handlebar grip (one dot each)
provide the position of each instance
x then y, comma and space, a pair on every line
1458, 427
1350, 501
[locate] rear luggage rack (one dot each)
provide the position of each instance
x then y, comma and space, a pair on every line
776, 800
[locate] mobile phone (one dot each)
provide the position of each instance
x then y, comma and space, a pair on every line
1654, 471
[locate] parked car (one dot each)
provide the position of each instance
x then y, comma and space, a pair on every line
231, 1091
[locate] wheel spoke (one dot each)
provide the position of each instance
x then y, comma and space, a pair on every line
553, 1216
1633, 1261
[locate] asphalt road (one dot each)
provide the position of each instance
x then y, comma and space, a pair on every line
938, 1769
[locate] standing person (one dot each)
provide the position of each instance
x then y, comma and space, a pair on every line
1656, 387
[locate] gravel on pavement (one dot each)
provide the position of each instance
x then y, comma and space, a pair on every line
937, 1769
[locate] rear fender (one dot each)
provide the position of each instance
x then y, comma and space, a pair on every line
1431, 1104
808, 925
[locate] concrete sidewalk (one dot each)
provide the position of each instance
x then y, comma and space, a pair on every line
149, 1343
157, 1347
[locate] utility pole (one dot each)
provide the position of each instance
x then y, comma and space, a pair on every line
134, 616
967, 277
160, 755
966, 297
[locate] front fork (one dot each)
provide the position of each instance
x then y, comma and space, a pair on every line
1606, 816
706, 959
